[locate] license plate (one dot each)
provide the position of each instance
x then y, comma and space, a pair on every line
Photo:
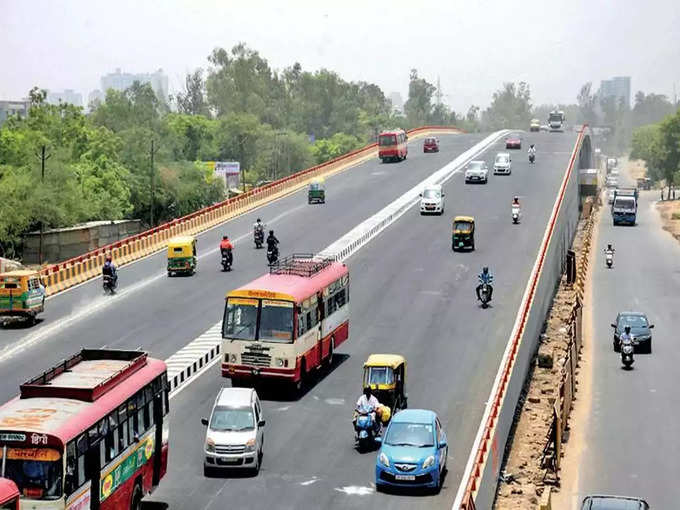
405, 477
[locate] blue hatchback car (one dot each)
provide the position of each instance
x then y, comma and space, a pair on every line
413, 451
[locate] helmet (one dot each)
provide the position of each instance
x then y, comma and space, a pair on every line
627, 329
485, 269
271, 232
259, 220
609, 246
516, 199
367, 391
225, 238
532, 145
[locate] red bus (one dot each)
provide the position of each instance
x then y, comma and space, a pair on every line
286, 323
9, 495
393, 145
89, 433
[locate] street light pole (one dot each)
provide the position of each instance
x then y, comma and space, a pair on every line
153, 182
43, 157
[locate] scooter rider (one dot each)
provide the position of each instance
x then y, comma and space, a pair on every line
532, 151
609, 249
626, 338
368, 403
226, 249
515, 201
272, 242
258, 226
484, 277
109, 269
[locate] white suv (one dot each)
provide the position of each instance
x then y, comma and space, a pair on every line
432, 199
502, 164
235, 435
477, 171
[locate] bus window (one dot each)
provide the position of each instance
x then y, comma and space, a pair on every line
36, 471
240, 319
387, 140
276, 321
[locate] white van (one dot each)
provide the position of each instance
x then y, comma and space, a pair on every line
432, 199
235, 435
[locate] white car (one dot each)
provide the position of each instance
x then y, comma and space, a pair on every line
502, 164
432, 200
235, 435
477, 171
612, 182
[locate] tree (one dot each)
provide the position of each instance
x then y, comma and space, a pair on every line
418, 106
650, 108
192, 100
586, 104
510, 107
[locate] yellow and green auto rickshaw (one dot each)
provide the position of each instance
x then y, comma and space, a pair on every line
463, 235
317, 191
182, 255
385, 374
22, 294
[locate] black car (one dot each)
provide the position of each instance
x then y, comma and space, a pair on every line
640, 328
614, 503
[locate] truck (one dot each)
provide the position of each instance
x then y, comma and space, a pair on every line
624, 206
556, 120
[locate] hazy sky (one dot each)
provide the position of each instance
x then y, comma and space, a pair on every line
472, 45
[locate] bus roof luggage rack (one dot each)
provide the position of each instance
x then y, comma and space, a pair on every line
300, 264
86, 375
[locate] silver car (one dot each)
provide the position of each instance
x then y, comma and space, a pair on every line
502, 164
235, 435
477, 171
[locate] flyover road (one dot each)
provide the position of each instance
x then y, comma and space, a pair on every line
161, 314
410, 294
631, 442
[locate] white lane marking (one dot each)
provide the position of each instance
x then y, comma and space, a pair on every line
309, 482
404, 202
283, 408
335, 401
356, 490
100, 302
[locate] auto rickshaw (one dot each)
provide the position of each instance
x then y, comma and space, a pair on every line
463, 234
317, 191
22, 294
386, 375
182, 255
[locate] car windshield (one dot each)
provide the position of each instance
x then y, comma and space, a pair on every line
387, 140
627, 203
501, 160
476, 165
36, 479
634, 321
462, 225
380, 375
240, 319
410, 434
430, 193
232, 419
276, 321
430, 141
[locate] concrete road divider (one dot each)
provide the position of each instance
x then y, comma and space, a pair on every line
62, 276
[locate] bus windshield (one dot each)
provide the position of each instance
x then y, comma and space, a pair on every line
555, 117
276, 321
387, 140
36, 471
240, 319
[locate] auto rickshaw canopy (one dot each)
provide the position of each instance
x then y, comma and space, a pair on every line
317, 183
386, 375
182, 246
458, 222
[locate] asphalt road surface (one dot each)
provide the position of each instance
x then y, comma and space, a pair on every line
632, 446
410, 294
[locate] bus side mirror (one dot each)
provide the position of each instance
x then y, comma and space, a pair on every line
204, 421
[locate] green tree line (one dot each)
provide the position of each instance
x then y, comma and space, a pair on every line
659, 146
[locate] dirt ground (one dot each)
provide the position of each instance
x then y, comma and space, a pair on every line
522, 482
635, 168
670, 216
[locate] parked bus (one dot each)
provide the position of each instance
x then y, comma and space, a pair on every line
286, 323
392, 145
89, 433
9, 495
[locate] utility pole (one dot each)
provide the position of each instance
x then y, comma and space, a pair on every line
153, 181
43, 157
438, 93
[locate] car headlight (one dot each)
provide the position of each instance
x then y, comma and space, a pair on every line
210, 446
428, 462
233, 358
384, 460
279, 362
250, 445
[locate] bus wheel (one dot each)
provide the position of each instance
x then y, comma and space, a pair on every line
136, 502
331, 351
300, 383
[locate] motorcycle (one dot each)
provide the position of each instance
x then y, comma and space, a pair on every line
365, 428
272, 255
627, 354
485, 295
226, 261
258, 234
532, 158
109, 285
609, 258
515, 214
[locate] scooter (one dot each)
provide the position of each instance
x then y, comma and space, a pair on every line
109, 285
515, 215
226, 261
365, 428
259, 238
627, 354
273, 255
485, 295
609, 258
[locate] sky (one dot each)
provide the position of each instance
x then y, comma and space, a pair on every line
472, 46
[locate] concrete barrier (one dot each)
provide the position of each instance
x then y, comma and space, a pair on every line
141, 245
480, 479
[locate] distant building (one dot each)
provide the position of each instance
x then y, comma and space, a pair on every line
95, 96
9, 108
65, 96
121, 81
397, 102
618, 87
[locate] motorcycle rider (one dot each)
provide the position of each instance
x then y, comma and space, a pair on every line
609, 249
258, 226
369, 403
109, 269
272, 242
485, 277
626, 338
532, 151
515, 201
226, 249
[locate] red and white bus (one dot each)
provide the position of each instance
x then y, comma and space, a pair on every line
393, 145
90, 433
286, 323
9, 495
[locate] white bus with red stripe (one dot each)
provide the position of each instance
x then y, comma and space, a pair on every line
286, 323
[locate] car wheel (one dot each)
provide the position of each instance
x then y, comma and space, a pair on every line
616, 346
649, 347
